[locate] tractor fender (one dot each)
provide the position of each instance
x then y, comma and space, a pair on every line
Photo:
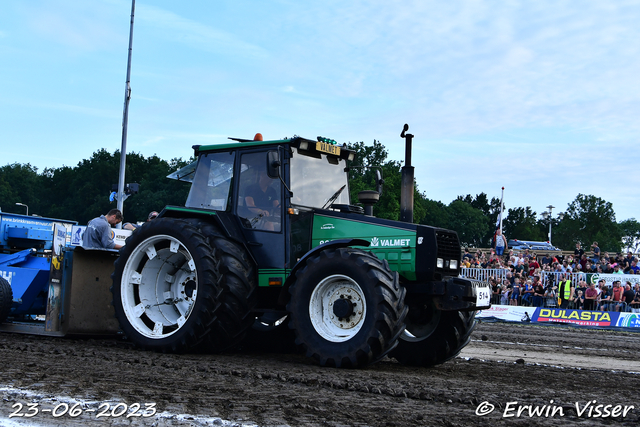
227, 224
340, 243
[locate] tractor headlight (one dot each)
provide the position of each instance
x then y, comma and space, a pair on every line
440, 263
453, 264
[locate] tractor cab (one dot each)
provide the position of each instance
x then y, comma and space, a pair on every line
266, 191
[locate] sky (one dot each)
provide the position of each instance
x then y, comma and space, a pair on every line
541, 98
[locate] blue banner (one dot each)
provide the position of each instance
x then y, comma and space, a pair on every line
629, 320
576, 317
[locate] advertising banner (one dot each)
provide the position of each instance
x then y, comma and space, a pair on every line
118, 235
507, 313
584, 318
628, 320
576, 317
610, 278
54, 301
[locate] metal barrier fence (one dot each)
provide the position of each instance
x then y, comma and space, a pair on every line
547, 278
483, 274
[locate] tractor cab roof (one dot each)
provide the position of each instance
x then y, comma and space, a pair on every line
305, 146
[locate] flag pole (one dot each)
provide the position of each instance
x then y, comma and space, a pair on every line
125, 119
501, 208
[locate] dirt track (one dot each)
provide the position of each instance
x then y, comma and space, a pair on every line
504, 363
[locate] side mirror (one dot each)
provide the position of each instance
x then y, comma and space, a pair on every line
273, 164
379, 181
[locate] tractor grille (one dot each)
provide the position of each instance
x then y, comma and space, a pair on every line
448, 244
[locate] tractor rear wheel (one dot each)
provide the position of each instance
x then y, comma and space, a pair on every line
238, 286
346, 307
6, 299
165, 286
432, 336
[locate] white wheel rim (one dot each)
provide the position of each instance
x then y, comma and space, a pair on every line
321, 308
159, 286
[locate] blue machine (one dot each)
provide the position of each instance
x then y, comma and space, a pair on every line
57, 291
26, 244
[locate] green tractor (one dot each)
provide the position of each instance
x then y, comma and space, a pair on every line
268, 239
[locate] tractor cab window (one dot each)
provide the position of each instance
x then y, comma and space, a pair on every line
316, 179
212, 182
259, 198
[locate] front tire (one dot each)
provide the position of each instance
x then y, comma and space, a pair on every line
6, 299
346, 308
432, 336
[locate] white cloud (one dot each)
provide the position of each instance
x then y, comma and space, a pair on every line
81, 26
196, 35
537, 85
57, 106
479, 66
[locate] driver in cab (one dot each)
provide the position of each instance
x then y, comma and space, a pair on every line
261, 199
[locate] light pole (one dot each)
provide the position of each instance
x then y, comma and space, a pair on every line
547, 214
22, 204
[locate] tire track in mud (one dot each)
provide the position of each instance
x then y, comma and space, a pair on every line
558, 346
269, 389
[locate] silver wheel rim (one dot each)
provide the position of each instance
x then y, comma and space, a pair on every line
321, 308
415, 332
158, 295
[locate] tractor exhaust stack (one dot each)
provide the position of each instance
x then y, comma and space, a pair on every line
406, 191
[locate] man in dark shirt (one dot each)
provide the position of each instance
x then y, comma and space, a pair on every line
596, 252
578, 252
604, 297
628, 295
538, 294
261, 198
629, 258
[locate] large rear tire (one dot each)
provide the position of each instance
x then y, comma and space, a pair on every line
6, 299
238, 286
432, 336
346, 308
171, 287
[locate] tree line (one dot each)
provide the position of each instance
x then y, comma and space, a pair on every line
81, 193
587, 219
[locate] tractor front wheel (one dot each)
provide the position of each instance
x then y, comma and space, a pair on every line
432, 336
346, 308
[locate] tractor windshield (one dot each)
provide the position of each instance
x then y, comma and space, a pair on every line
212, 181
316, 178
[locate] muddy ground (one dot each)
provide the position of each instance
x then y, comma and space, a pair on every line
532, 365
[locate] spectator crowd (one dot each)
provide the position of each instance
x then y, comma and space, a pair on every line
554, 280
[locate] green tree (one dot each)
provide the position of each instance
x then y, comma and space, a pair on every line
489, 208
362, 176
587, 219
471, 224
522, 224
630, 230
82, 192
20, 184
436, 213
